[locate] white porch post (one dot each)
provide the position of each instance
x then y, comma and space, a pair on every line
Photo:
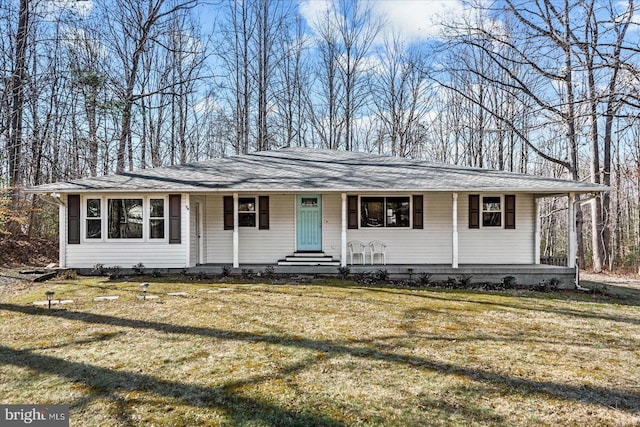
62, 226
236, 257
343, 234
536, 236
571, 243
454, 233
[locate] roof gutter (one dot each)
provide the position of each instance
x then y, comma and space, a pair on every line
539, 192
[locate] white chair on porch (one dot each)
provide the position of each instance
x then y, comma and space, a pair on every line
356, 247
378, 248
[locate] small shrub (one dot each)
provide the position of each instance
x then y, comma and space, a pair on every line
551, 286
138, 268
344, 272
201, 275
382, 275
425, 279
509, 282
269, 272
156, 274
465, 280
364, 278
452, 282
98, 269
226, 271
247, 273
115, 272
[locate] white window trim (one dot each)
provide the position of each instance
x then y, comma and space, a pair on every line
147, 220
146, 210
385, 196
255, 211
492, 227
85, 219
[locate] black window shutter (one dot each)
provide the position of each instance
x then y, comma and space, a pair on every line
228, 212
418, 215
510, 211
73, 219
175, 218
352, 212
474, 211
263, 209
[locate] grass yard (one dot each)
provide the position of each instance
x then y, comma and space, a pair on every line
320, 354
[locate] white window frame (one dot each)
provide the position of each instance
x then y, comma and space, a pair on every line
254, 211
165, 218
146, 217
482, 211
84, 208
385, 197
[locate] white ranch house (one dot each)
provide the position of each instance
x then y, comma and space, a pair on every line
304, 210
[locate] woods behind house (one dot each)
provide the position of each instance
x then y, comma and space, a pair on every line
539, 87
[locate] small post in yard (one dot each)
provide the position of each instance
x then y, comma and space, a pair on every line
145, 287
49, 295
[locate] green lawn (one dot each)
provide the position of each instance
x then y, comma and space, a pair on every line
320, 354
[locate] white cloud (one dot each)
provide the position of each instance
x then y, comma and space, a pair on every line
412, 20
312, 10
416, 20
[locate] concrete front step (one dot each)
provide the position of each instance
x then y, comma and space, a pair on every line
307, 255
328, 263
308, 259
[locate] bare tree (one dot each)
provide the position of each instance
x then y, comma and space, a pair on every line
401, 96
136, 24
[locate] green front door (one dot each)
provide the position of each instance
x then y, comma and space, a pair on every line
309, 222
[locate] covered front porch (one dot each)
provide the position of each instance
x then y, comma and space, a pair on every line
441, 242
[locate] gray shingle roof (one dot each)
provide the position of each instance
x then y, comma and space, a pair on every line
314, 170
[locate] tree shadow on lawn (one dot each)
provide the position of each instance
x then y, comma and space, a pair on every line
621, 399
104, 383
432, 294
622, 294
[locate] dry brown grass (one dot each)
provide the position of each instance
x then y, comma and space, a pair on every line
323, 354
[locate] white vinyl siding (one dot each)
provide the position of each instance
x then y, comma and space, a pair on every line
331, 224
431, 245
497, 245
153, 253
255, 246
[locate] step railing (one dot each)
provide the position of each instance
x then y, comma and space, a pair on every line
560, 261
